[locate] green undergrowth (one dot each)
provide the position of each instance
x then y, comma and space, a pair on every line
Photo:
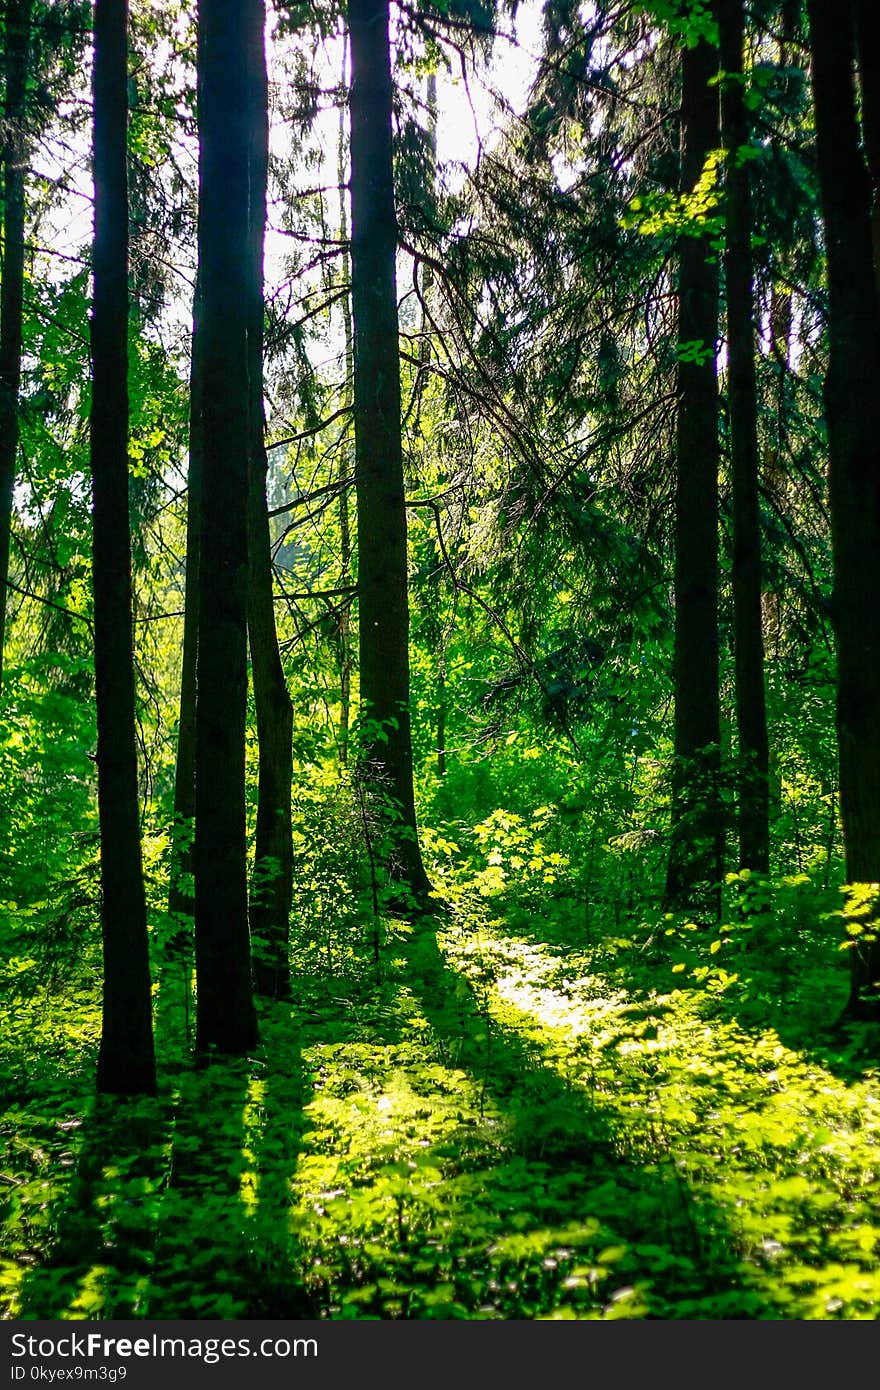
507, 1123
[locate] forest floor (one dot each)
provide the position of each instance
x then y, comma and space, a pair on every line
508, 1123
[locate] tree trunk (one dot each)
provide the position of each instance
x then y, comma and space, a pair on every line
696, 832
427, 268
18, 19
126, 1062
381, 505
441, 719
272, 882
426, 288
852, 405
781, 322
742, 400
225, 1018
775, 478
180, 896
345, 459
868, 46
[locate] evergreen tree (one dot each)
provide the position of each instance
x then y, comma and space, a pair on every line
383, 601
180, 895
126, 1063
17, 25
226, 1018
852, 403
867, 23
272, 881
742, 406
696, 832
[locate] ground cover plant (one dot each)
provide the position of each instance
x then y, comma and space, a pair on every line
506, 1123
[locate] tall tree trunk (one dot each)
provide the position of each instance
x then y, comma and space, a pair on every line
696, 832
272, 882
18, 20
441, 718
868, 46
226, 1018
426, 288
742, 398
381, 505
852, 405
781, 322
180, 896
427, 268
775, 479
345, 459
126, 1062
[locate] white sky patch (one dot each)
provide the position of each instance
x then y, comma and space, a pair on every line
469, 113
472, 109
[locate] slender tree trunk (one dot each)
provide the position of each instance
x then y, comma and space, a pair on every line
427, 286
775, 479
867, 15
852, 405
272, 882
226, 1018
427, 269
441, 720
346, 658
781, 321
180, 897
742, 397
18, 19
775, 483
381, 506
696, 832
126, 1062
345, 459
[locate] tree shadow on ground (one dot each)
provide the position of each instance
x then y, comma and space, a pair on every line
799, 994
178, 1206
223, 1247
619, 1183
810, 1022
99, 1253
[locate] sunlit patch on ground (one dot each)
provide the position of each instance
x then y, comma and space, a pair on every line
787, 1150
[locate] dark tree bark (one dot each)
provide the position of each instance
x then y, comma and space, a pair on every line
346, 658
180, 896
742, 403
272, 882
18, 19
852, 406
426, 271
867, 15
425, 290
346, 460
774, 475
775, 479
126, 1062
225, 1018
696, 832
381, 506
